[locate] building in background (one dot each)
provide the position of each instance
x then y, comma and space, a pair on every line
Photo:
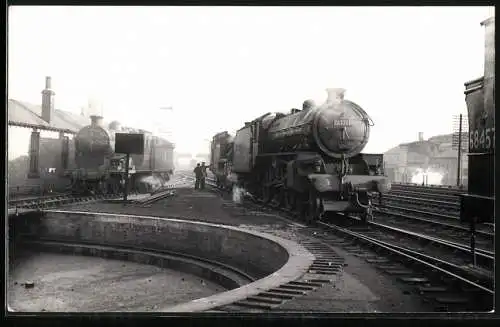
406, 162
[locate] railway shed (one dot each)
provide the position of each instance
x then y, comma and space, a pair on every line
47, 157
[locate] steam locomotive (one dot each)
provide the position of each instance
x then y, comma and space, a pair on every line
100, 170
309, 160
478, 205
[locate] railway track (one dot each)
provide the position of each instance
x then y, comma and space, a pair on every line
439, 268
422, 195
326, 266
40, 203
436, 269
446, 207
448, 286
435, 226
444, 285
446, 190
20, 204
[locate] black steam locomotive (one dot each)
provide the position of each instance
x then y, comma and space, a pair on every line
478, 205
98, 169
309, 160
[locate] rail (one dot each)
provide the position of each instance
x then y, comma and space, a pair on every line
449, 269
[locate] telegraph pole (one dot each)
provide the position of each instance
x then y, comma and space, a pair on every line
459, 129
459, 150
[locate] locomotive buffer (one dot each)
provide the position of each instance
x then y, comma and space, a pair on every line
128, 143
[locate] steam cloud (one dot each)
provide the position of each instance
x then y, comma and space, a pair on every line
238, 194
156, 182
433, 177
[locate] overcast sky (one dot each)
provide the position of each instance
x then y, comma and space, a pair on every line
221, 66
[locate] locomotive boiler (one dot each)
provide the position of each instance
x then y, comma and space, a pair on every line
100, 170
309, 160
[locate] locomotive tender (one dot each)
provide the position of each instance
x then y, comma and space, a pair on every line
479, 202
310, 160
100, 170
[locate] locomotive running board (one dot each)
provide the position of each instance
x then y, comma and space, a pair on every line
328, 182
341, 206
335, 205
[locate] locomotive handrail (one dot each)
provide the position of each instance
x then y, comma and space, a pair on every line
261, 117
370, 121
478, 153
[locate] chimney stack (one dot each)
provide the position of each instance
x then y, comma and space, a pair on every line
96, 121
420, 136
48, 100
335, 95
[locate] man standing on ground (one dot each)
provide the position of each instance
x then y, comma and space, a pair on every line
203, 175
198, 174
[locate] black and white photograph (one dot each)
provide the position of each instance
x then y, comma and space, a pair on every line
250, 159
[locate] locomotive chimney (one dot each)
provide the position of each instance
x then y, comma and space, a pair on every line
489, 66
335, 95
420, 136
96, 120
48, 100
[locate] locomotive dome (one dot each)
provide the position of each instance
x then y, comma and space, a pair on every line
341, 127
308, 104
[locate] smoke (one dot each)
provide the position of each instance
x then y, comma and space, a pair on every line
238, 194
433, 177
154, 181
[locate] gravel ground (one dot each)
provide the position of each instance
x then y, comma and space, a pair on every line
188, 203
65, 283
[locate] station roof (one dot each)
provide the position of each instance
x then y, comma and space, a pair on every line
27, 113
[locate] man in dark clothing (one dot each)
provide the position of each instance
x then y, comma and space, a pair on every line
198, 174
203, 175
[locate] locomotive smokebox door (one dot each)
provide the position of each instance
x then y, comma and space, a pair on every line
131, 143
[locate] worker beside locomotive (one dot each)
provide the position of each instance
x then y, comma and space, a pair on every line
100, 170
309, 160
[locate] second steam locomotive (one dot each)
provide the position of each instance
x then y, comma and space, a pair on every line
309, 160
100, 170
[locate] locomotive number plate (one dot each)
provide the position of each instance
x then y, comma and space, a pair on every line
341, 123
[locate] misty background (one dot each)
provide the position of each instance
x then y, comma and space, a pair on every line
217, 67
